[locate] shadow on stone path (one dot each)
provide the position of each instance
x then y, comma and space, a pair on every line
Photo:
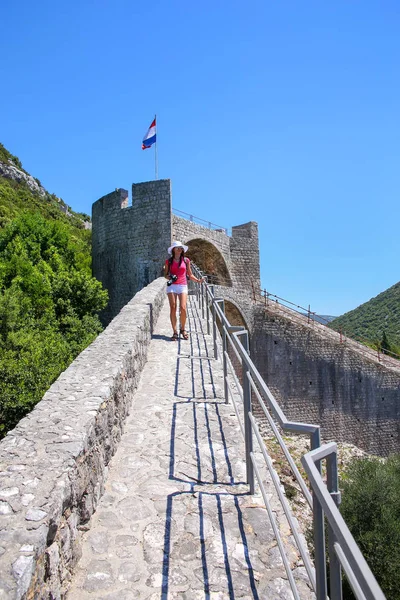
176, 520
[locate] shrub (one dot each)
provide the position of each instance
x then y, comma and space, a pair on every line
371, 509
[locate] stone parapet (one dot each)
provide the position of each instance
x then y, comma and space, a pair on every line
182, 229
53, 465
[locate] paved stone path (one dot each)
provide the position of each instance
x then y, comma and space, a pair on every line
176, 520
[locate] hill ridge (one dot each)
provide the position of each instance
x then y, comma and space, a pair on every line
11, 169
375, 320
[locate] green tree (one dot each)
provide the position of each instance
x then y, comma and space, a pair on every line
49, 304
371, 509
384, 344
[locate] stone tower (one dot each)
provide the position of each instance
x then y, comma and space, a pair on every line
129, 242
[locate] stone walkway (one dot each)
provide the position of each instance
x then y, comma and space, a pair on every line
176, 520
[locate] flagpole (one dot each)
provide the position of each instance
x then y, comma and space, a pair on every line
155, 150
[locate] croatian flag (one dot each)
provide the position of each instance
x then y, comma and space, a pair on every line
150, 137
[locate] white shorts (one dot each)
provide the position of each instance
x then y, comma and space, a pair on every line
176, 288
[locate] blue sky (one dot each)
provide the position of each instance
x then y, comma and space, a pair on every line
280, 112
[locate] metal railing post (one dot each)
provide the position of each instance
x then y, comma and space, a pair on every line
196, 290
208, 310
319, 531
214, 326
248, 431
224, 361
199, 275
335, 571
202, 288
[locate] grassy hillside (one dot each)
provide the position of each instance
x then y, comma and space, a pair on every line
377, 321
16, 197
49, 300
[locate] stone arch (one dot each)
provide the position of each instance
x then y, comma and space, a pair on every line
210, 260
234, 314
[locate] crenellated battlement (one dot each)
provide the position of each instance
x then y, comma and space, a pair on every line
112, 201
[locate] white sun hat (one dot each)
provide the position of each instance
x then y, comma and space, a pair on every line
177, 244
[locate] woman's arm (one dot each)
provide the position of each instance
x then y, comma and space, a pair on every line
191, 276
166, 269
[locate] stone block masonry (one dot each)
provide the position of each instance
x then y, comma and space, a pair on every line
129, 242
241, 256
318, 379
189, 230
53, 465
240, 251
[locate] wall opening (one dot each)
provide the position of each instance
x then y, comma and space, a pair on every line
210, 260
234, 315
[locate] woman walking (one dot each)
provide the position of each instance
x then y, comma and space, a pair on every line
177, 269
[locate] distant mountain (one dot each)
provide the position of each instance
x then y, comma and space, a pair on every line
324, 319
375, 321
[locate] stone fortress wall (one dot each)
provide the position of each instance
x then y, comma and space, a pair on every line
317, 378
314, 377
53, 465
129, 242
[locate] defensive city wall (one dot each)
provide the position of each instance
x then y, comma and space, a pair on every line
54, 463
319, 377
315, 376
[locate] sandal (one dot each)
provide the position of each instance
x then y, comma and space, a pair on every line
175, 336
184, 334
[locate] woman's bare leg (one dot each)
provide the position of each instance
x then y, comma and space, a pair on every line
182, 310
172, 310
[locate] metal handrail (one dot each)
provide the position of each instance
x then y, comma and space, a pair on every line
200, 221
324, 499
267, 298
342, 544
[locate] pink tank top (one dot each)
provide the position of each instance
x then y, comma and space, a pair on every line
179, 270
